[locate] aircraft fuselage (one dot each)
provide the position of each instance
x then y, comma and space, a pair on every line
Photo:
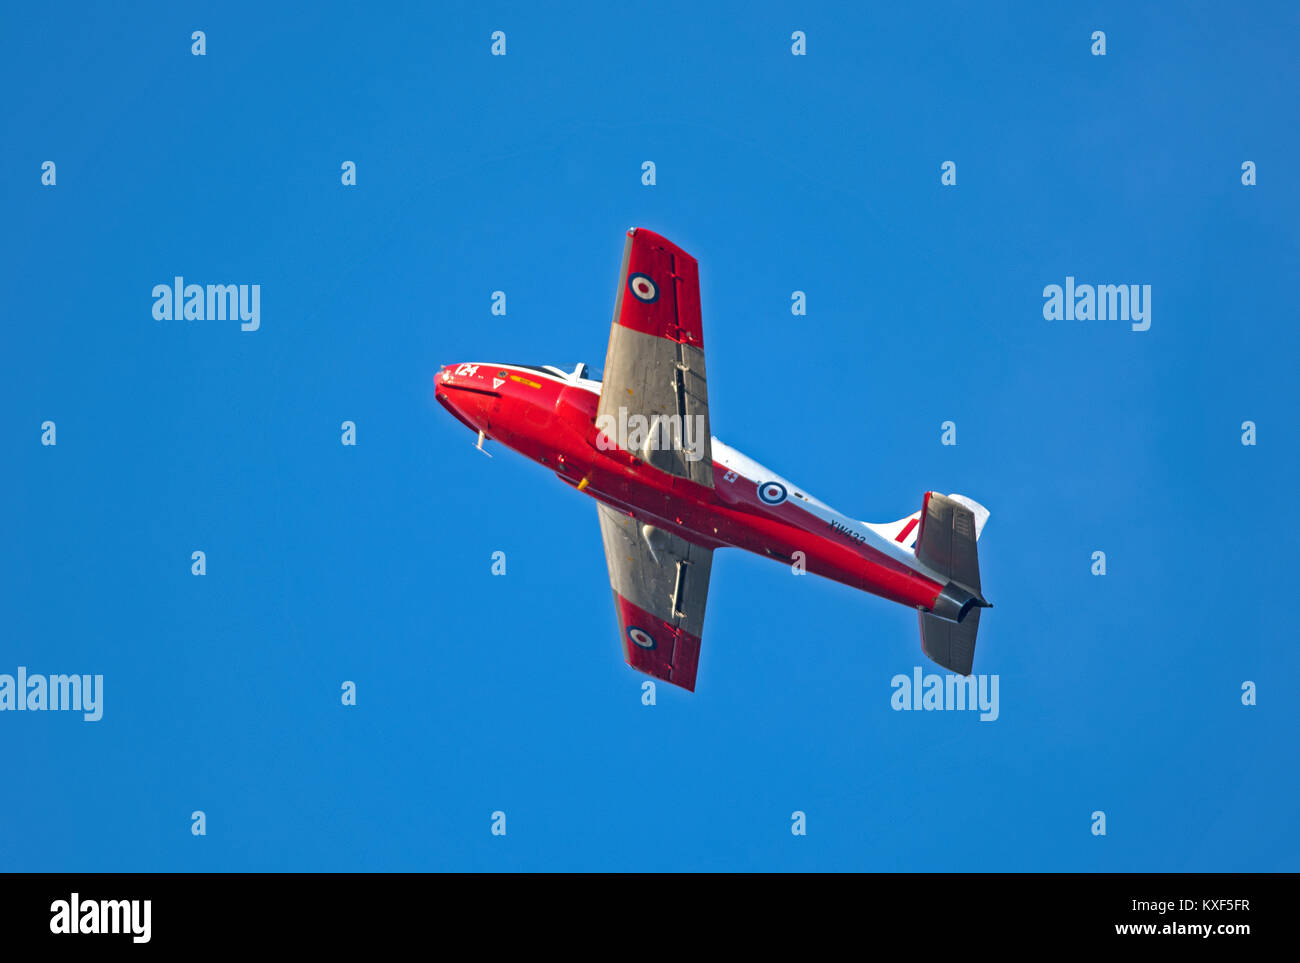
550, 417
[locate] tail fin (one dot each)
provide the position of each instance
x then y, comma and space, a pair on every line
907, 530
949, 528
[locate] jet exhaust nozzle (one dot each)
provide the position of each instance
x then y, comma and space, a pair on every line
955, 602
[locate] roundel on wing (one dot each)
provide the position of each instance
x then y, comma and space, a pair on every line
643, 288
771, 493
640, 637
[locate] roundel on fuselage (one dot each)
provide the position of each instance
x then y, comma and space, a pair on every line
642, 288
771, 493
640, 637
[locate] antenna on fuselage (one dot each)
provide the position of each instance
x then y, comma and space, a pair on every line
482, 437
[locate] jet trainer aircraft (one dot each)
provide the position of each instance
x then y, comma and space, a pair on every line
668, 493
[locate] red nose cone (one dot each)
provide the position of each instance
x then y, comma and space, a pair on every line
465, 397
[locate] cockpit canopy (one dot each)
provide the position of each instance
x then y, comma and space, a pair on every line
581, 372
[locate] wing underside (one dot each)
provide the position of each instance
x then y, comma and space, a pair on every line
660, 583
654, 368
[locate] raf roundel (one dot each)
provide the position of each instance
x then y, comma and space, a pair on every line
641, 637
771, 493
642, 288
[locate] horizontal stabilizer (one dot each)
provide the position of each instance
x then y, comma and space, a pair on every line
950, 644
949, 529
947, 540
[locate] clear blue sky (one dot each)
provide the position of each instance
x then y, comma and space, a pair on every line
477, 693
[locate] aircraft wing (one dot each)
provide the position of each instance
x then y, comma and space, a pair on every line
654, 367
660, 583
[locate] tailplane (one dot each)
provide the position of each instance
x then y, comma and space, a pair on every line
946, 533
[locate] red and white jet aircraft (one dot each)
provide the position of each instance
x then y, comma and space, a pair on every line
668, 493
